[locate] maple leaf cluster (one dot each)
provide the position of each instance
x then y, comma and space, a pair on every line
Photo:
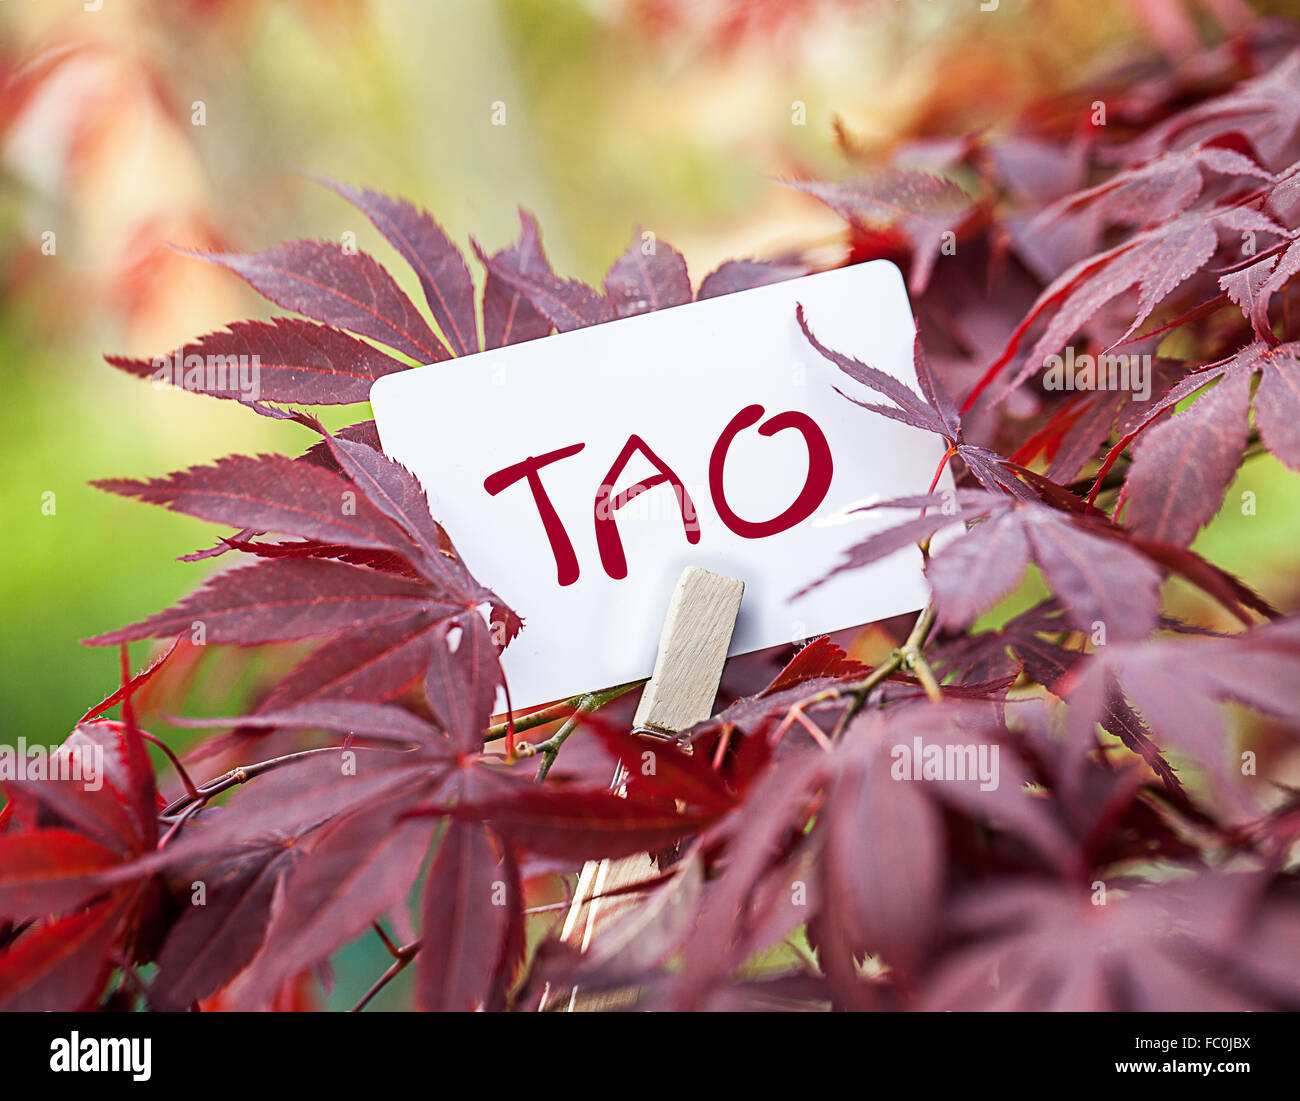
1122, 858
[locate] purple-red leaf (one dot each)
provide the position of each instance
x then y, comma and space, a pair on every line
395, 492
63, 965
659, 768
356, 717
972, 573
462, 683
211, 943
272, 493
650, 275
1156, 261
915, 410
566, 303
471, 902
49, 871
444, 277
821, 659
281, 601
284, 359
584, 825
325, 281
883, 861
508, 316
360, 865
743, 275
373, 663
922, 207
1277, 405
1182, 467
141, 678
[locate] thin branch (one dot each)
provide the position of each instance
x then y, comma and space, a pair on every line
190, 789
393, 950
562, 710
404, 956
579, 707
906, 654
184, 817
550, 748
917, 663
244, 773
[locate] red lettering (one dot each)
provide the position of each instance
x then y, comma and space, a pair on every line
566, 561
815, 487
608, 540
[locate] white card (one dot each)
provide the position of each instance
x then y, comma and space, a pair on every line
675, 379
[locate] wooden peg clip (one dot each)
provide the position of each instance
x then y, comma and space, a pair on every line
692, 651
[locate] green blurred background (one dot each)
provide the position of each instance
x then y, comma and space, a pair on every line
672, 115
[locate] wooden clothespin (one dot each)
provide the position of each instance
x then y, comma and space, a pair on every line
692, 651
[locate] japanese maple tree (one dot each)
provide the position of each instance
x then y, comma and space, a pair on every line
1126, 860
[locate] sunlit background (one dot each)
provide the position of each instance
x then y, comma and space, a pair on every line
130, 127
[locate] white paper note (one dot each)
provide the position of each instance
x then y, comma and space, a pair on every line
676, 380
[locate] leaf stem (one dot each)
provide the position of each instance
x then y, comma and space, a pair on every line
917, 663
393, 950
579, 708
550, 748
244, 773
914, 659
560, 710
908, 654
190, 789
403, 957
938, 473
